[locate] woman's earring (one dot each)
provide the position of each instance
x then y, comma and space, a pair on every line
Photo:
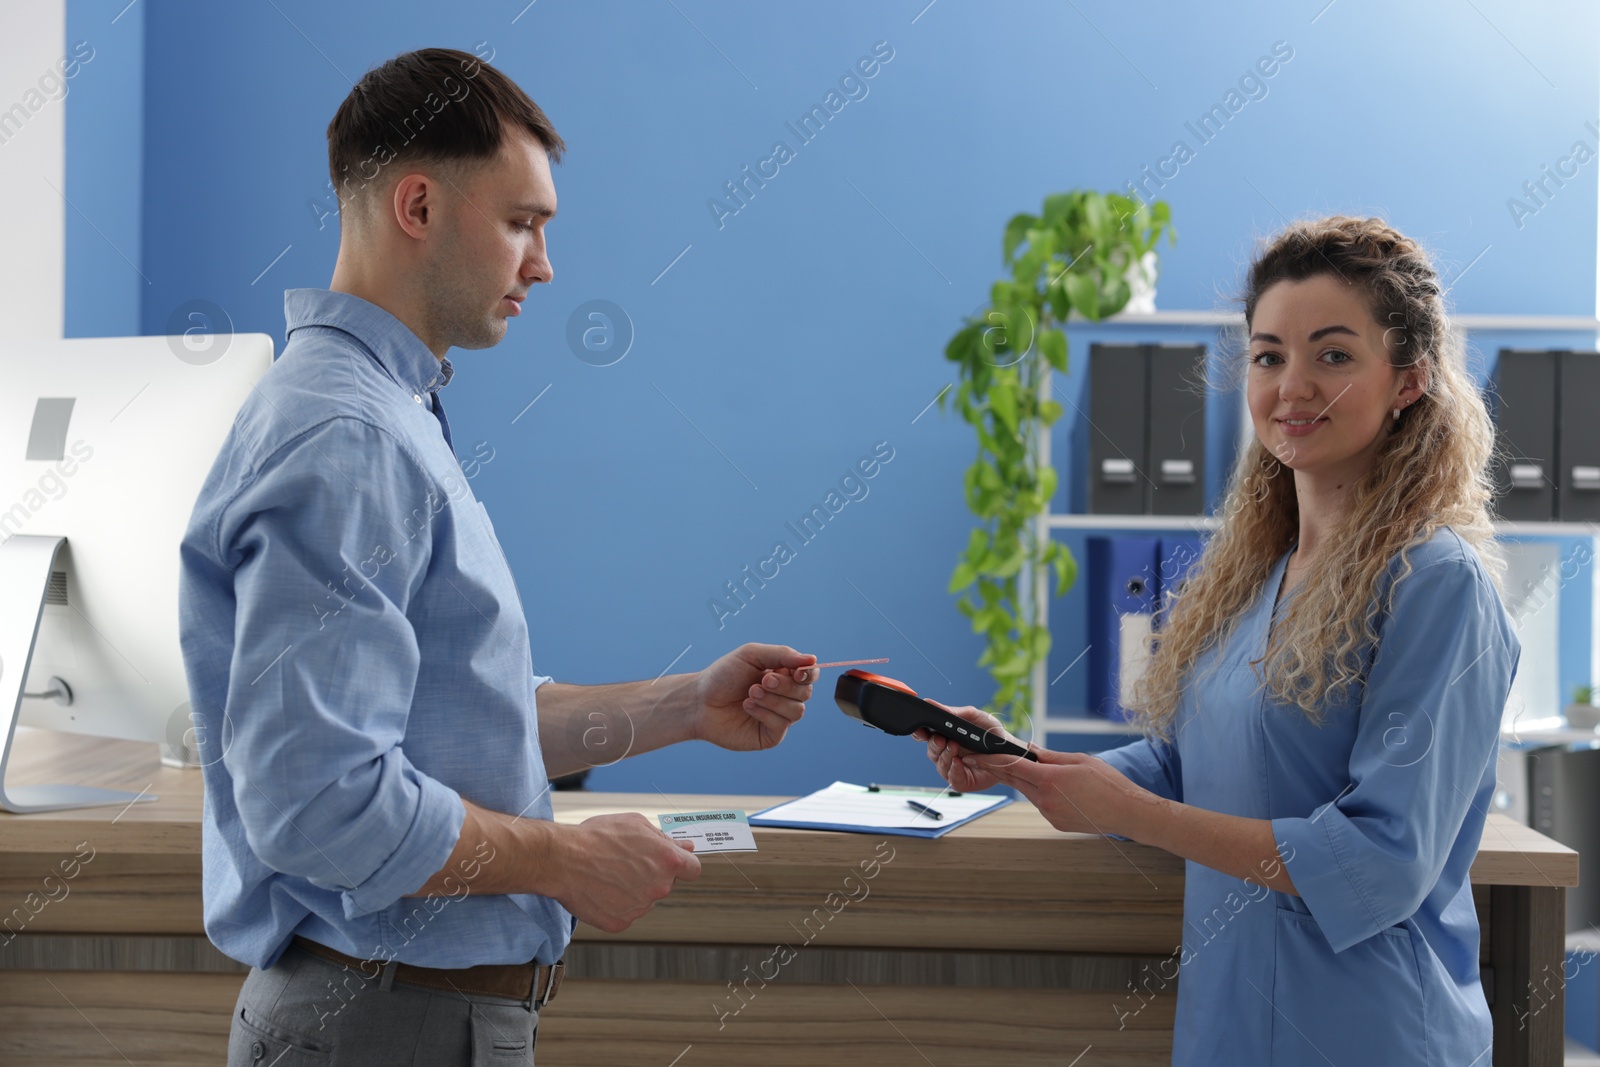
1395, 414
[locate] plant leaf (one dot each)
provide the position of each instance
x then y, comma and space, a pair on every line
1003, 402
1015, 229
1053, 346
1083, 294
1066, 569
963, 577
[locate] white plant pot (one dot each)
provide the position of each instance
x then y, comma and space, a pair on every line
1583, 716
1141, 278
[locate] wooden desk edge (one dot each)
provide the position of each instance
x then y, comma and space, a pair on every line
1509, 853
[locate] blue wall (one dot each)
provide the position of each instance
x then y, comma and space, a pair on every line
105, 284
811, 324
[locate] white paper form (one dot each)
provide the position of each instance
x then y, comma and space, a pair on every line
843, 806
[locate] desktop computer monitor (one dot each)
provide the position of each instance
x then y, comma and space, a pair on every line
104, 445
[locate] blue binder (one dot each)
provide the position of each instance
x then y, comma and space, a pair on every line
1123, 589
1178, 554
1128, 584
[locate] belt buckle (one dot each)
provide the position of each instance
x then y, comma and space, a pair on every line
556, 971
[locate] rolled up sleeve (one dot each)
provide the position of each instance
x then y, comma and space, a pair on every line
1152, 765
1428, 728
328, 553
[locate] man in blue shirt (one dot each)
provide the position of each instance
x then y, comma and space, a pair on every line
378, 840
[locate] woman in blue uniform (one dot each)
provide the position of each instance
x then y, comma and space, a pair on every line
1323, 705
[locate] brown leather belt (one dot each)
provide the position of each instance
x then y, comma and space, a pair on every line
513, 981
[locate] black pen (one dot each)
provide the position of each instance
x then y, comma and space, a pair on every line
925, 809
930, 789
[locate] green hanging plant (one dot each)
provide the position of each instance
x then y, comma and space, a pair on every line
1074, 260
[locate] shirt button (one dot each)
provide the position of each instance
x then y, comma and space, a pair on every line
416, 397
256, 1050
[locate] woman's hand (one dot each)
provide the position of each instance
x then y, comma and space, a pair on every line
1074, 791
946, 755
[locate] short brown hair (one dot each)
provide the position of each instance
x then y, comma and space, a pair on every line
393, 115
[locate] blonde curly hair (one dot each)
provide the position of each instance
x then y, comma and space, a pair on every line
1432, 470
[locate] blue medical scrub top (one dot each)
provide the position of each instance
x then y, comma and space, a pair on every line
1377, 814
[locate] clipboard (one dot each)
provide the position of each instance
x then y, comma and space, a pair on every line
858, 810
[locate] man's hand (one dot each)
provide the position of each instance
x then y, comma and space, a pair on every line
617, 866
748, 699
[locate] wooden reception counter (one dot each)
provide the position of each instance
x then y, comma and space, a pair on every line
1004, 942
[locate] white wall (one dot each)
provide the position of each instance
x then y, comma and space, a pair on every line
32, 153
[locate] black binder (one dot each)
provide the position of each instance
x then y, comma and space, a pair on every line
1177, 430
1524, 405
1578, 433
1119, 480
1147, 438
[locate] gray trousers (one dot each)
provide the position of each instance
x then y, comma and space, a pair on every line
305, 1011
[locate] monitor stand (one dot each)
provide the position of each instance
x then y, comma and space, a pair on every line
26, 561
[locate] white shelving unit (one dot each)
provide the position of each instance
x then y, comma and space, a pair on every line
1543, 323
1036, 585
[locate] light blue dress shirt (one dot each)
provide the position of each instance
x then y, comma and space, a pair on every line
1377, 814
358, 661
